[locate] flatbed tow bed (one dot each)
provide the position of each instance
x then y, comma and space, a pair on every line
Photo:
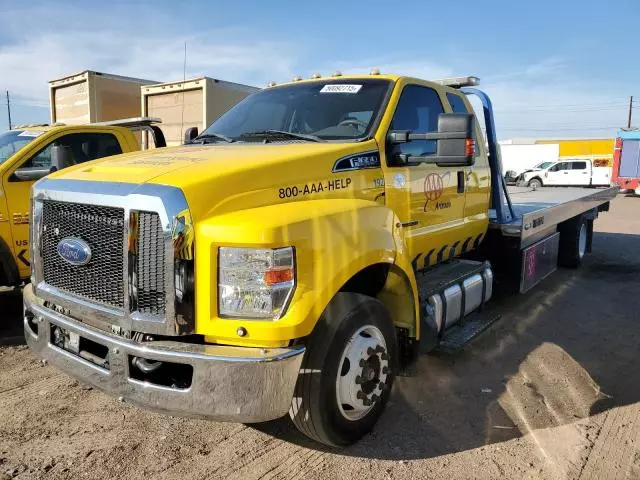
539, 211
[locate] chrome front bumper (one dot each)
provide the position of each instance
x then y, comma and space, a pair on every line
237, 384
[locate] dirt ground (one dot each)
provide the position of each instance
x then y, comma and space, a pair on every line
551, 391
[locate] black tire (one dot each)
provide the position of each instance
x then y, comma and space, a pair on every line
571, 251
314, 410
535, 183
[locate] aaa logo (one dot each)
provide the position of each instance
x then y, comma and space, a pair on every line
434, 185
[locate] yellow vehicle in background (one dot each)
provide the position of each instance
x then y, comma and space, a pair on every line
294, 255
583, 147
26, 156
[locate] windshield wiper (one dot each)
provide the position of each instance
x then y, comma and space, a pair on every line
212, 136
281, 133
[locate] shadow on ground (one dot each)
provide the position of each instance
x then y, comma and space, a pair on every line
565, 351
562, 352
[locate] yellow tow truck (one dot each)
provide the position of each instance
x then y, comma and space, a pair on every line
26, 156
294, 255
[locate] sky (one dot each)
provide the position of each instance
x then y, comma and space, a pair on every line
554, 69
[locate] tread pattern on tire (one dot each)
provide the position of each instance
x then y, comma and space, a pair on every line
307, 418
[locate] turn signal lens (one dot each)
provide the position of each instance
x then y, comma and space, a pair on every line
469, 147
273, 277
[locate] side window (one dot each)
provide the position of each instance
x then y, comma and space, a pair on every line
84, 147
42, 159
579, 165
417, 111
457, 104
560, 166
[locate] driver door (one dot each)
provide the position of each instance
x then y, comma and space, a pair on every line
18, 181
557, 174
428, 199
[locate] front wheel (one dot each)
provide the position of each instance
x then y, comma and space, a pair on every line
535, 183
347, 371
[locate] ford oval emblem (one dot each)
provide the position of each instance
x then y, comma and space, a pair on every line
74, 251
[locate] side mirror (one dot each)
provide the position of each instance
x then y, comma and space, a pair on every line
189, 134
158, 137
457, 146
455, 143
61, 157
29, 174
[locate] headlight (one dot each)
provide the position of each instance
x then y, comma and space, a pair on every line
255, 283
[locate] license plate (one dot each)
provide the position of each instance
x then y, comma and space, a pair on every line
73, 342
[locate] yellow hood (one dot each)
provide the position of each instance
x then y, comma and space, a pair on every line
224, 177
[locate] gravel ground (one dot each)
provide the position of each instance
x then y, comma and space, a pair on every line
551, 391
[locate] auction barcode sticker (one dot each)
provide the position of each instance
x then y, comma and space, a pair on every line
335, 88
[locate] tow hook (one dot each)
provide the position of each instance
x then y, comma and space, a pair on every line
145, 366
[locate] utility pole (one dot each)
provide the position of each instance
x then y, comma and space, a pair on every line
9, 109
630, 110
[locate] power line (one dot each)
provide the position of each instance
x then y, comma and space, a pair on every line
32, 104
556, 105
562, 122
564, 108
561, 110
559, 129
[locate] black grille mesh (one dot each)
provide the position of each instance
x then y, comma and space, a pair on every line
150, 265
100, 280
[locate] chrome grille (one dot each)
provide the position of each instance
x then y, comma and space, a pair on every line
100, 280
150, 265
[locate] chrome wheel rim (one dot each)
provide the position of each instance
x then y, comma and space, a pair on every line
582, 240
362, 373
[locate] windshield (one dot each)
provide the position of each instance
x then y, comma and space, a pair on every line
328, 110
544, 165
14, 140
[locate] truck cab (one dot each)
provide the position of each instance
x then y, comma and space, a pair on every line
26, 156
291, 257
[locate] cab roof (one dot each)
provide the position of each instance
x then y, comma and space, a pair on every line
130, 123
40, 127
454, 82
45, 128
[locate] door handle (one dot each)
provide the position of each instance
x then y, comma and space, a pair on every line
461, 181
566, 173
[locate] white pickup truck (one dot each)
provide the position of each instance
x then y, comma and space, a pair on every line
566, 172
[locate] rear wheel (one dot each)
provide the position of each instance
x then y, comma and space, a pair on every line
347, 372
574, 241
535, 183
